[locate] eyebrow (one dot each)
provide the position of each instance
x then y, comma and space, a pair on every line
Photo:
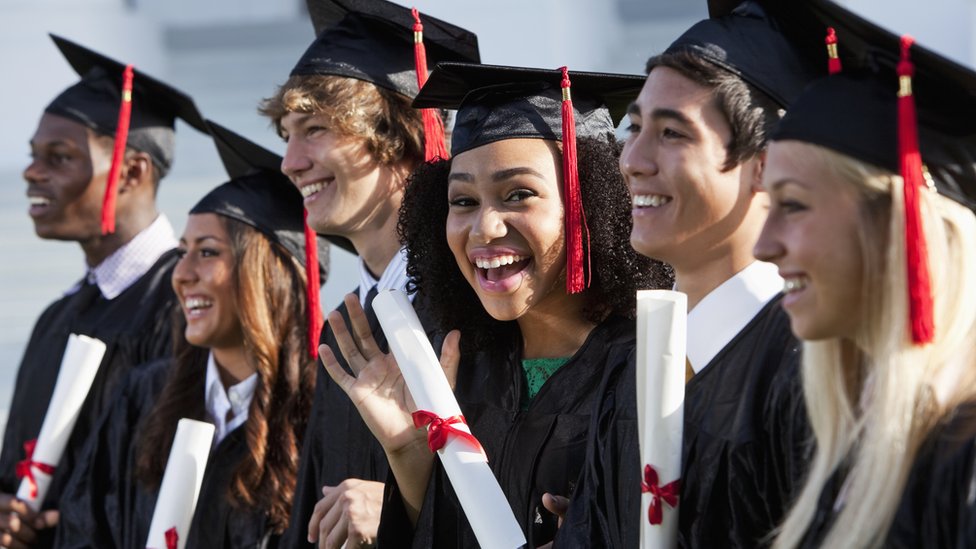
779, 183
500, 175
54, 143
200, 239
633, 108
671, 114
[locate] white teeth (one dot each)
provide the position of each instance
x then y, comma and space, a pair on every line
309, 190
38, 201
195, 303
499, 261
794, 284
650, 200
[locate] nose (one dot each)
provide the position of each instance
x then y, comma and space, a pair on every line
637, 157
184, 272
295, 162
487, 225
34, 173
769, 246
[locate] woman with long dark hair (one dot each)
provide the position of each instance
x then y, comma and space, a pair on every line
488, 235
241, 362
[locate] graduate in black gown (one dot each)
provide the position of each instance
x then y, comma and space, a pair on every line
125, 298
872, 176
693, 160
352, 168
489, 240
243, 364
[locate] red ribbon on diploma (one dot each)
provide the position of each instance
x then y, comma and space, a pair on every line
25, 467
439, 428
172, 538
668, 492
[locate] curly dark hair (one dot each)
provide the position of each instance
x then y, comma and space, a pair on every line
270, 287
617, 270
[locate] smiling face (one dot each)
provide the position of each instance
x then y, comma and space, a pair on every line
686, 206
66, 180
346, 190
505, 225
813, 235
204, 283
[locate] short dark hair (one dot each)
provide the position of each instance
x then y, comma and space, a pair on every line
392, 129
750, 112
618, 271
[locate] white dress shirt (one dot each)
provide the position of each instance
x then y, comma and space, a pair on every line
394, 277
227, 407
727, 309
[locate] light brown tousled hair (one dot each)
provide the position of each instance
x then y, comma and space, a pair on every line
384, 119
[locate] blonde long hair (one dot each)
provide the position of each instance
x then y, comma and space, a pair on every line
872, 400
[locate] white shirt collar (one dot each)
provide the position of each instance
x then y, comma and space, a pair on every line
727, 309
236, 400
127, 264
394, 277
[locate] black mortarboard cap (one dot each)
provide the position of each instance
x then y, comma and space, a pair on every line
373, 40
742, 38
94, 102
855, 112
260, 196
499, 102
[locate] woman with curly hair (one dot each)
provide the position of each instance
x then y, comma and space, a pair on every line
489, 234
240, 362
877, 253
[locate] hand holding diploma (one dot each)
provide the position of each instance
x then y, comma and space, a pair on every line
661, 339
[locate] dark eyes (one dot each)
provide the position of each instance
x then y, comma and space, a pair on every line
204, 252
518, 195
790, 206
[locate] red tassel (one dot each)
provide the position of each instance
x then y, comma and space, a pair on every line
312, 286
118, 153
434, 146
577, 262
919, 282
833, 60
172, 538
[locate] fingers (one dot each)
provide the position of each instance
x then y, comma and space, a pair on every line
557, 505
348, 348
47, 519
335, 370
451, 356
318, 513
333, 528
16, 531
360, 327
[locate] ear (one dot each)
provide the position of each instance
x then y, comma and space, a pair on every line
756, 175
137, 171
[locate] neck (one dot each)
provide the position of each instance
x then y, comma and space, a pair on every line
697, 281
232, 364
555, 331
377, 245
101, 246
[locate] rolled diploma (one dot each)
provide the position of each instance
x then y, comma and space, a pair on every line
79, 364
180, 488
484, 504
662, 318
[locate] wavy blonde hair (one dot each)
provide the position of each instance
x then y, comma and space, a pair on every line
873, 399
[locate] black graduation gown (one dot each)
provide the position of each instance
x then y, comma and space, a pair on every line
337, 445
937, 508
135, 327
533, 451
744, 448
105, 507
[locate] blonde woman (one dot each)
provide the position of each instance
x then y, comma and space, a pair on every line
889, 379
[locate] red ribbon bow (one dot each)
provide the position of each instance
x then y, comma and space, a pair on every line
25, 467
172, 538
668, 492
439, 428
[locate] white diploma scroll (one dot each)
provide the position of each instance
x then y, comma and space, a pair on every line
79, 364
484, 504
662, 318
181, 483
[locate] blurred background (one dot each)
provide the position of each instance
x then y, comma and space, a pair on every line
228, 54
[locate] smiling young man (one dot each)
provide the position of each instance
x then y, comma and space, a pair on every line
693, 160
352, 139
125, 298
